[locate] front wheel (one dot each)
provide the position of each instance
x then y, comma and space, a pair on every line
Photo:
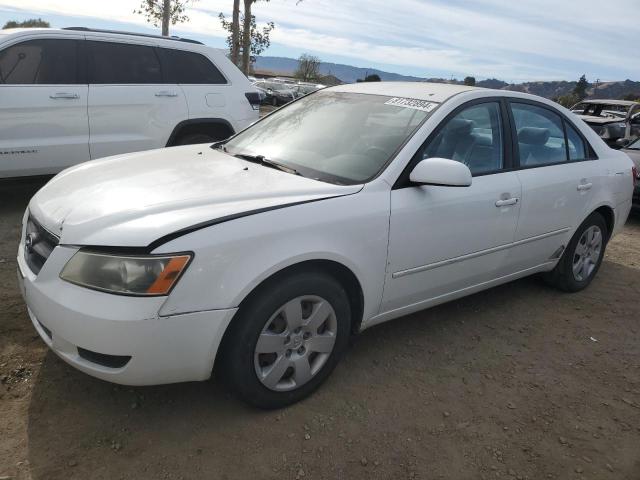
286, 339
583, 256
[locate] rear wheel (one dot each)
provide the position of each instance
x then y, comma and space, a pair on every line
286, 339
583, 256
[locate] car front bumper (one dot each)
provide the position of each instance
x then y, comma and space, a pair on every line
121, 339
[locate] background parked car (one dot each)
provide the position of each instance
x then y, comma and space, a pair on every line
76, 94
633, 150
611, 119
302, 89
276, 93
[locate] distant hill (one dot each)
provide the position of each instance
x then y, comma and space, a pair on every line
550, 89
346, 73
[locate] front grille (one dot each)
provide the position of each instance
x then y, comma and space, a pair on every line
38, 245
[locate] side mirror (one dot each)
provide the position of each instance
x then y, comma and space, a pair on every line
622, 142
441, 171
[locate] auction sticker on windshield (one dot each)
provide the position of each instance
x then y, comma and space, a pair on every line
414, 103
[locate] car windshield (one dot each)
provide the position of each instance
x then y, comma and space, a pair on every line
343, 138
635, 145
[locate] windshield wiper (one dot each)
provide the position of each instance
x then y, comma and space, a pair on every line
261, 159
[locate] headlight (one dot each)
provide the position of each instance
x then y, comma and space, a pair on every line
144, 275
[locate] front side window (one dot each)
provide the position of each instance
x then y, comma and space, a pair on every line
473, 137
540, 135
190, 68
338, 137
121, 63
635, 145
40, 62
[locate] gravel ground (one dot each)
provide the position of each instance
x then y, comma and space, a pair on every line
518, 382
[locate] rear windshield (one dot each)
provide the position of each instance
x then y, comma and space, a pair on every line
343, 138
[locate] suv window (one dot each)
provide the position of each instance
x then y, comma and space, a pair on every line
48, 62
121, 63
190, 68
540, 133
473, 137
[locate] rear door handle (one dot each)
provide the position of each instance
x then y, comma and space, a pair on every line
166, 93
60, 95
584, 186
506, 202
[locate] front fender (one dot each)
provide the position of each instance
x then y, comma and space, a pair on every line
233, 258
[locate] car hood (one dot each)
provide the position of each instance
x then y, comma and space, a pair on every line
134, 199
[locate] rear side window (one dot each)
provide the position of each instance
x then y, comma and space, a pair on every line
40, 62
540, 134
190, 68
121, 63
577, 148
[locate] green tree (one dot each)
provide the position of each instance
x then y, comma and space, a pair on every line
568, 100
634, 97
308, 68
259, 40
164, 12
470, 81
31, 23
373, 77
580, 90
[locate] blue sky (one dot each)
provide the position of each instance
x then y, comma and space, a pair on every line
514, 40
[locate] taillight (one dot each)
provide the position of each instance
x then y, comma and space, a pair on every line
636, 175
254, 99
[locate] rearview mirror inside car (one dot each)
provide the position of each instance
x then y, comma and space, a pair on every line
442, 172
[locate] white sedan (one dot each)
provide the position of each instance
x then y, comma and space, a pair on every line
355, 205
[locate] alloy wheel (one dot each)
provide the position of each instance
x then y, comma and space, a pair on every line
587, 253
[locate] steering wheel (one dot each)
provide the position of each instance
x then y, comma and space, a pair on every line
375, 151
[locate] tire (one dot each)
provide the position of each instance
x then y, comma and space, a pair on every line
194, 139
581, 260
274, 379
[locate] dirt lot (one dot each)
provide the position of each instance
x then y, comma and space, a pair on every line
520, 381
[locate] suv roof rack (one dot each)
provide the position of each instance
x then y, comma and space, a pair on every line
120, 32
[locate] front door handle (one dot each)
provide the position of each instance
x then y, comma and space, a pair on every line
59, 95
506, 202
166, 93
584, 186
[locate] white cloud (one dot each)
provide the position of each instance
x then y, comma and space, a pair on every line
515, 40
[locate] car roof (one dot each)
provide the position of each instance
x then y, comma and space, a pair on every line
435, 92
625, 103
71, 30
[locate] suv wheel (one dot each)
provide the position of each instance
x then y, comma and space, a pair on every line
287, 339
195, 138
583, 256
